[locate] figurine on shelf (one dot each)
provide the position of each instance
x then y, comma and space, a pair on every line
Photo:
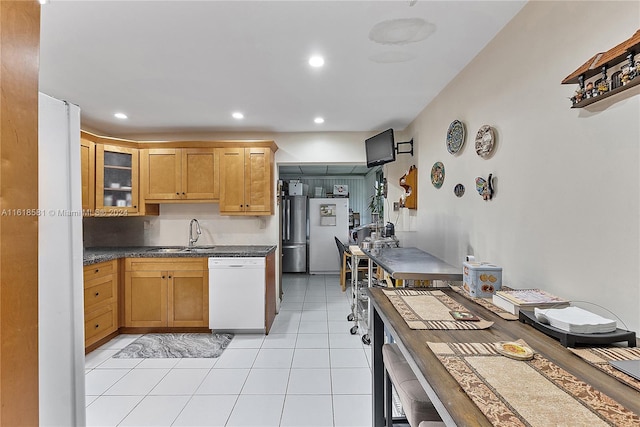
589, 90
626, 75
603, 87
579, 96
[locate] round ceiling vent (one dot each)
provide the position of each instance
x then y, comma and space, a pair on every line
401, 31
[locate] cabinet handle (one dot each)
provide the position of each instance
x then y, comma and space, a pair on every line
169, 277
97, 270
97, 325
97, 293
177, 194
135, 207
183, 193
163, 277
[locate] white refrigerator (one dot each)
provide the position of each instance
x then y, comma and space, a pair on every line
328, 218
60, 287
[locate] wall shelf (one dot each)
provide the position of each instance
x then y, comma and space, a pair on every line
409, 182
594, 99
606, 73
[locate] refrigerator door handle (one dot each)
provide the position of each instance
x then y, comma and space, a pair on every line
284, 220
288, 219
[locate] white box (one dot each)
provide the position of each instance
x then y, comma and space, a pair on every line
481, 279
340, 190
297, 188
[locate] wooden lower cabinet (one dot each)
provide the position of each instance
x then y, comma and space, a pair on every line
188, 298
166, 292
100, 301
145, 296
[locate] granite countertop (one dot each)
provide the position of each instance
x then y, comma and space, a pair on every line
100, 254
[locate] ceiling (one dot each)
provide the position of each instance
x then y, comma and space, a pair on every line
185, 66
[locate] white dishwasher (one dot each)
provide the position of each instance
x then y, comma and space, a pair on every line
237, 294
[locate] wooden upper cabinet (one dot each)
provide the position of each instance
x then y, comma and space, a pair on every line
200, 174
174, 174
116, 180
88, 175
246, 178
160, 177
231, 180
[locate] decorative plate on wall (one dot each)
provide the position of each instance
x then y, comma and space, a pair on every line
458, 190
455, 136
485, 139
437, 174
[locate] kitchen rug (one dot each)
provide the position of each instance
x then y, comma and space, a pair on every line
600, 357
486, 303
534, 393
430, 310
160, 346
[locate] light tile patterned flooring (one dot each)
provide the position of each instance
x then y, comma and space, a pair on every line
309, 371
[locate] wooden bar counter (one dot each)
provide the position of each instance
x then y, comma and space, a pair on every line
453, 404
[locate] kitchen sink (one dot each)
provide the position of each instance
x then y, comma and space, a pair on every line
166, 250
186, 249
198, 249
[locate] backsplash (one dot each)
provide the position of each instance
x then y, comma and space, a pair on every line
113, 231
171, 228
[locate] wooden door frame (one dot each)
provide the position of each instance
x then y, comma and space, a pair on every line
19, 61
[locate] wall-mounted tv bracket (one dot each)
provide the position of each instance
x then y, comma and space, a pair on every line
405, 152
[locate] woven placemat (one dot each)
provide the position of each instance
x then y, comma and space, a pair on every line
430, 310
528, 393
601, 356
486, 303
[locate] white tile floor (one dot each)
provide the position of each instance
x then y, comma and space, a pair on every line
309, 371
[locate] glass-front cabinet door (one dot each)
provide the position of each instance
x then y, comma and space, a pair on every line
116, 180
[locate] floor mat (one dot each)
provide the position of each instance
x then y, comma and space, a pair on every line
188, 345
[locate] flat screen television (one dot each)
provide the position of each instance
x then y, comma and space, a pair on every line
380, 148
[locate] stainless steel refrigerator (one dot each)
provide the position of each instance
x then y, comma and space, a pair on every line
294, 234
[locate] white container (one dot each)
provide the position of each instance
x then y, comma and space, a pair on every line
340, 190
481, 279
297, 188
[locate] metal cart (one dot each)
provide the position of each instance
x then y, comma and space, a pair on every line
359, 299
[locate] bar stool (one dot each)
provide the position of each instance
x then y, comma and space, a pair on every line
418, 409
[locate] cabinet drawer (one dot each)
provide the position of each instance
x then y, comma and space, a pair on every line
164, 264
99, 270
100, 323
99, 291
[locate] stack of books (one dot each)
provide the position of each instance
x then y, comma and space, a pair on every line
527, 299
575, 320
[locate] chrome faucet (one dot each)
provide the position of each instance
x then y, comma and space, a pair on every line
193, 240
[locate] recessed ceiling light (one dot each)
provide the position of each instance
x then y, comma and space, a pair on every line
318, 120
316, 61
237, 115
120, 116
43, 1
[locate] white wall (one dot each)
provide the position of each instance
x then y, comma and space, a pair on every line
566, 212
